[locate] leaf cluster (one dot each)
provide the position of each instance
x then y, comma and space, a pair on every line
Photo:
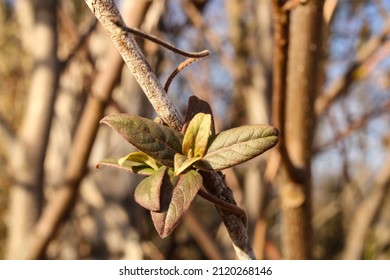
171, 160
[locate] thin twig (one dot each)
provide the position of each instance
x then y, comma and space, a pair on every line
212, 38
223, 204
8, 133
202, 236
357, 124
382, 10
83, 38
340, 86
179, 68
365, 213
160, 42
193, 56
291, 4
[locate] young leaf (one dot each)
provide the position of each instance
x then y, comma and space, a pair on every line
158, 141
177, 196
182, 163
195, 106
141, 158
132, 166
178, 161
197, 136
148, 192
238, 145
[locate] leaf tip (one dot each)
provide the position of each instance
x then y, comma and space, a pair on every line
104, 120
110, 119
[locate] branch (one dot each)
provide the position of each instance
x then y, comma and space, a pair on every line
340, 86
223, 204
197, 20
7, 132
298, 123
110, 18
353, 126
179, 68
137, 32
192, 56
215, 185
365, 214
202, 236
291, 4
81, 42
281, 22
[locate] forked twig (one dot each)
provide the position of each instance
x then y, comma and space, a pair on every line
192, 56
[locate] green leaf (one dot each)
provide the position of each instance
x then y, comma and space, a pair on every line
148, 192
178, 161
197, 136
135, 167
177, 194
158, 141
140, 158
237, 145
182, 163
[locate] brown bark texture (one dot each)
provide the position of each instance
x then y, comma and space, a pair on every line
303, 69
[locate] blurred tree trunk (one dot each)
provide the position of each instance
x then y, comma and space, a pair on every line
29, 230
62, 202
28, 154
302, 86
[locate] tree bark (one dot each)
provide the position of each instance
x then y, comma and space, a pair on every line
107, 13
302, 87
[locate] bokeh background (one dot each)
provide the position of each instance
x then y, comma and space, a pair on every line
60, 73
